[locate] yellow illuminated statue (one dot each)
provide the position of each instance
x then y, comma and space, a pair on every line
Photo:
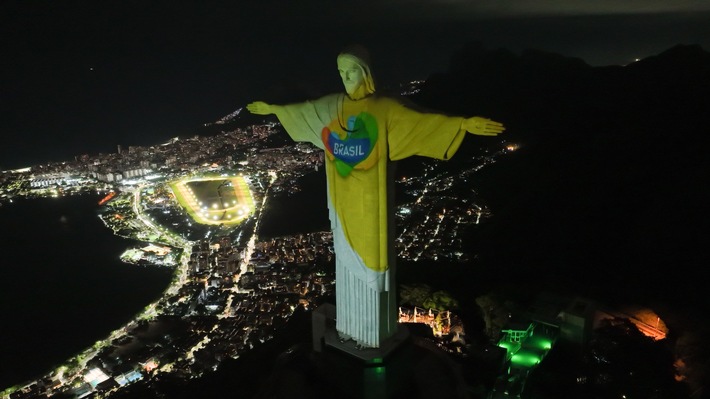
361, 133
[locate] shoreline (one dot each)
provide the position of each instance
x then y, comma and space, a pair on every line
74, 368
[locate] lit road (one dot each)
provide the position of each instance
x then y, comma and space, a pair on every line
165, 237
249, 250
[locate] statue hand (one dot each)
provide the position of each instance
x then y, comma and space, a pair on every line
482, 126
260, 108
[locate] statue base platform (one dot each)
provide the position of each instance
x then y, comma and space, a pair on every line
408, 365
325, 336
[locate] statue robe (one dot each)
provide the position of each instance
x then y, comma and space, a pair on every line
360, 138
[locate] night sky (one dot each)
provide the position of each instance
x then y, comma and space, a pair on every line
80, 77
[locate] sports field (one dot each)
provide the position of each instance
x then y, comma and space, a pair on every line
215, 200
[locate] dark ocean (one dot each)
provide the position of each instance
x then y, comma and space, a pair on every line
64, 286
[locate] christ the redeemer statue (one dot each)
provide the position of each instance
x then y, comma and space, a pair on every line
361, 134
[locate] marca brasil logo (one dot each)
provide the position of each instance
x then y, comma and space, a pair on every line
359, 141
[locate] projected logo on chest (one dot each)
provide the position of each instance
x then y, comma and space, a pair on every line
357, 145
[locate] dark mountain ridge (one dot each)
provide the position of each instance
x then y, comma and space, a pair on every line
609, 188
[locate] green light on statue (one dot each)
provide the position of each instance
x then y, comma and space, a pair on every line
375, 383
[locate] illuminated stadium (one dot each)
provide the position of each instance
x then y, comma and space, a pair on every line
215, 200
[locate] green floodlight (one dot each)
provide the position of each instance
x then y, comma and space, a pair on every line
525, 359
545, 344
376, 360
507, 345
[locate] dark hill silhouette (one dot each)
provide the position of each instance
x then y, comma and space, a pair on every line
607, 197
609, 188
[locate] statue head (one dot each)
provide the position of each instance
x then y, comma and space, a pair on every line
354, 69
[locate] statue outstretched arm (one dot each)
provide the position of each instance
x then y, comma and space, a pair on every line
302, 121
482, 126
261, 108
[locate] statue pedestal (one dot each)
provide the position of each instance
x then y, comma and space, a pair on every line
404, 366
407, 365
361, 372
326, 336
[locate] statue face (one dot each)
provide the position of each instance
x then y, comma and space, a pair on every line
351, 74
